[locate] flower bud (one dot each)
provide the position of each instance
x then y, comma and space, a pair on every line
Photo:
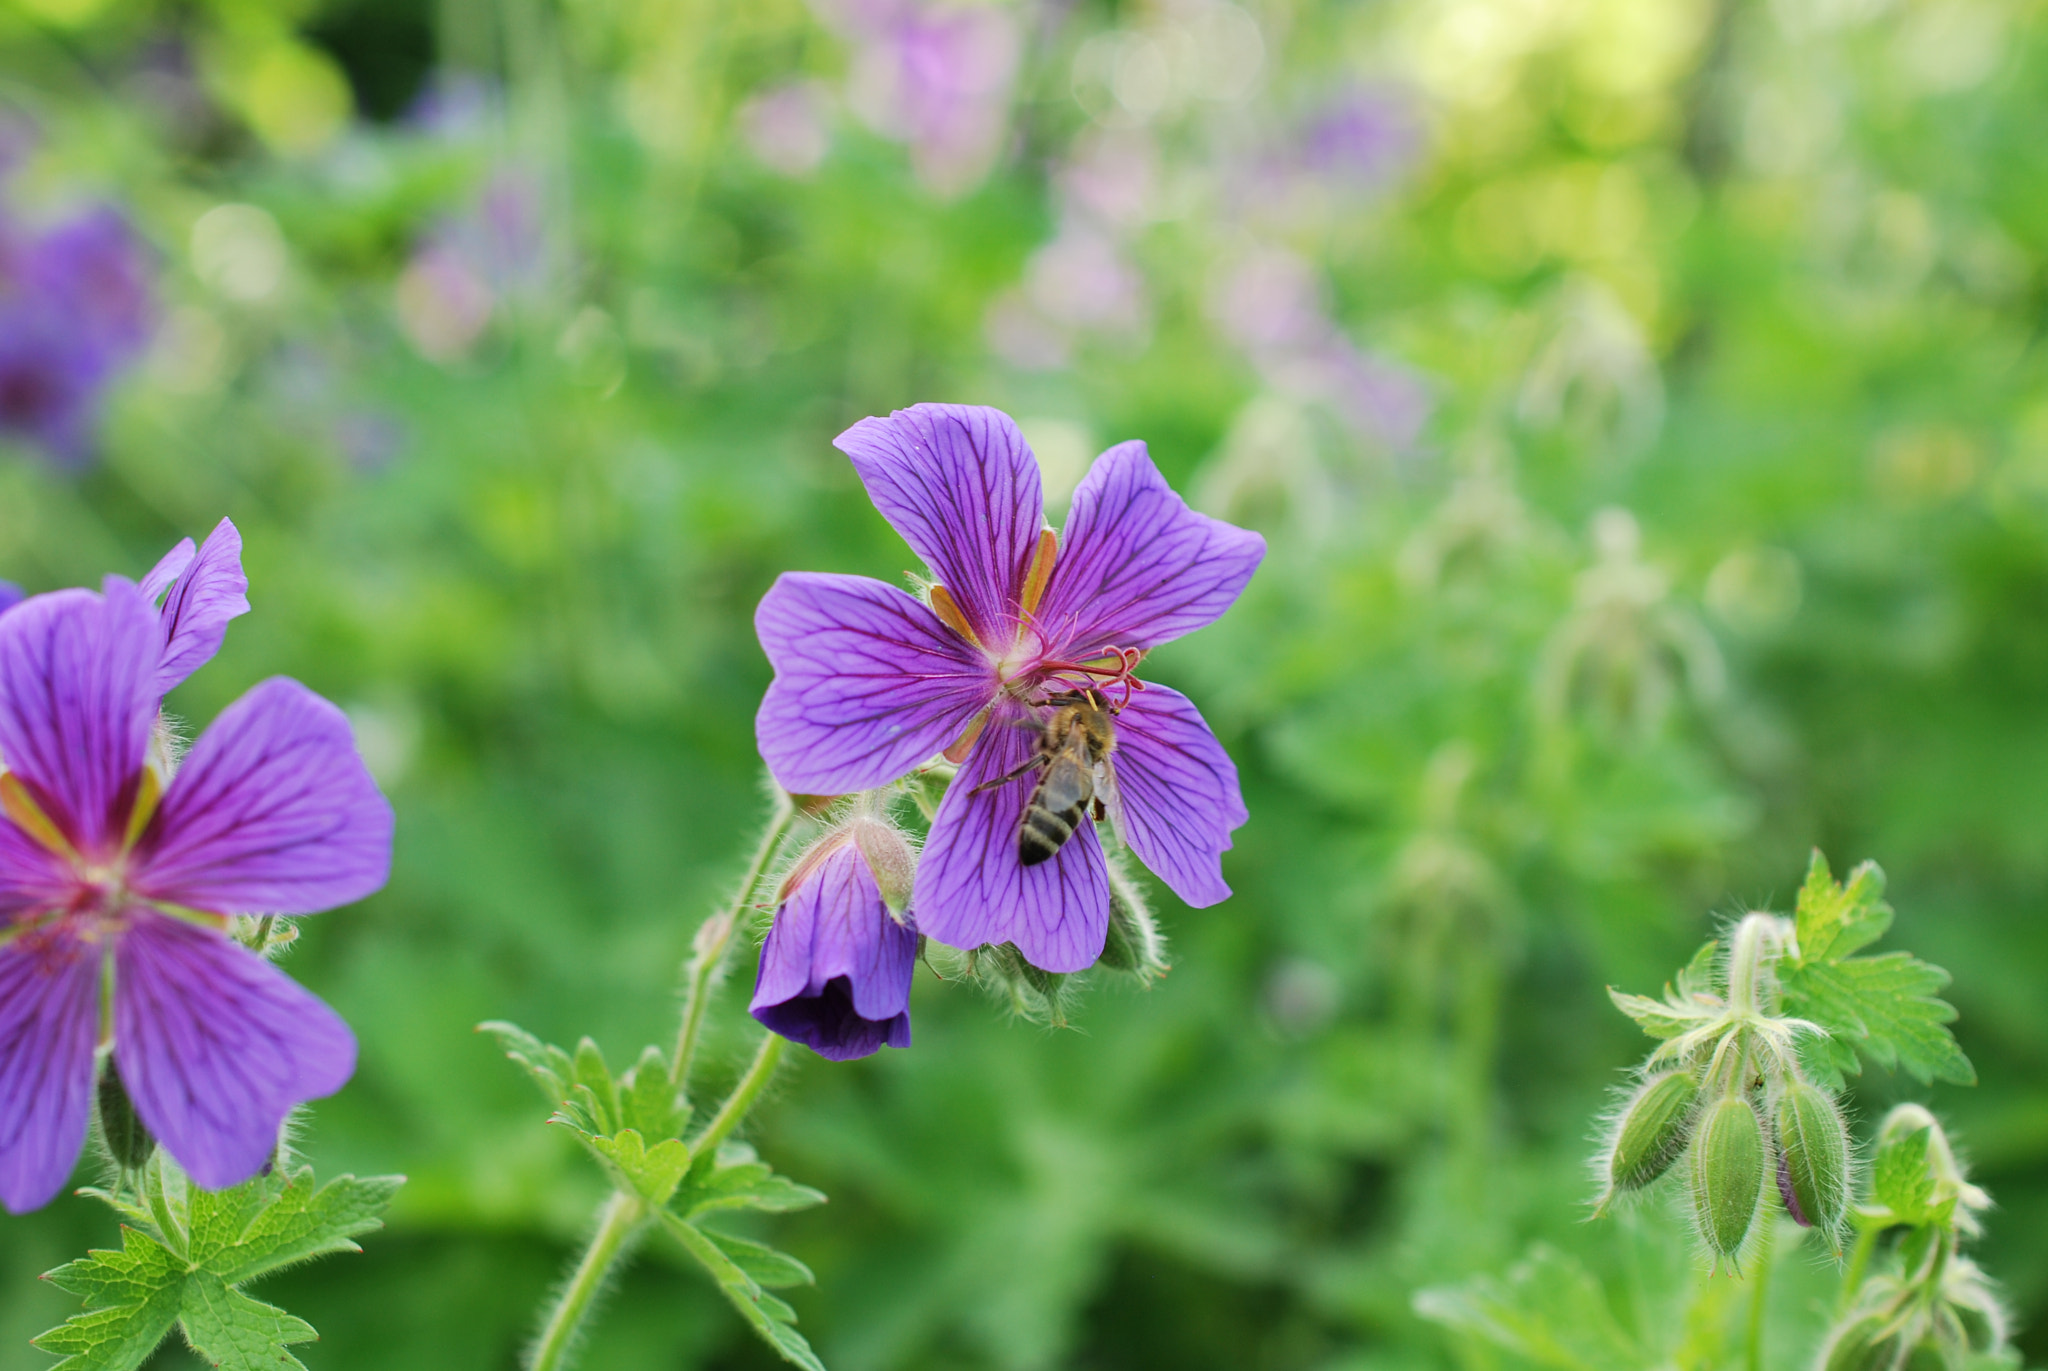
1813, 1157
1653, 1131
1133, 943
889, 857
1860, 1346
128, 1140
1727, 1174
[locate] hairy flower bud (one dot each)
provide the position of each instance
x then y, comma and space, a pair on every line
889, 857
1860, 1345
1133, 943
128, 1140
1653, 1131
1727, 1174
1813, 1157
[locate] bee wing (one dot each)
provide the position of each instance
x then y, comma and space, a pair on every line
1107, 795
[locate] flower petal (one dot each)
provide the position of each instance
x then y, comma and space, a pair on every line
972, 888
1177, 793
961, 486
211, 591
868, 683
1138, 567
835, 970
49, 1016
216, 1046
272, 813
168, 569
32, 878
76, 704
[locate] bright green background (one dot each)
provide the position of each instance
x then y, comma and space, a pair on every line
1728, 536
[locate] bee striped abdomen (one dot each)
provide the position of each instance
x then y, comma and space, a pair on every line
1045, 832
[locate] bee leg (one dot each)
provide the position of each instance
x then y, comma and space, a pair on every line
1032, 765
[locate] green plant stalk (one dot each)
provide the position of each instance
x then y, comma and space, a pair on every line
618, 1220
704, 967
1859, 1263
1761, 1274
743, 1096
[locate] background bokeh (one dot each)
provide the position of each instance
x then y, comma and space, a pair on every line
1644, 400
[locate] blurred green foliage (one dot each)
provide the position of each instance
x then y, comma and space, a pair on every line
513, 335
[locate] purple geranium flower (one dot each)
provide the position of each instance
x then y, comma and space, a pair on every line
870, 682
835, 970
201, 589
112, 877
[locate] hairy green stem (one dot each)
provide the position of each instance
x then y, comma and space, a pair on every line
1760, 1273
715, 937
617, 1221
743, 1096
1859, 1262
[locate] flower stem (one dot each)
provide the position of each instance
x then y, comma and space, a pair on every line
743, 1096
617, 1220
1859, 1262
715, 937
1761, 1275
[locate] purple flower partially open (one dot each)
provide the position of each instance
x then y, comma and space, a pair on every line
114, 882
835, 970
200, 589
871, 682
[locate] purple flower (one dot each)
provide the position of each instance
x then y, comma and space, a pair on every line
835, 970
200, 590
75, 309
112, 878
871, 682
937, 78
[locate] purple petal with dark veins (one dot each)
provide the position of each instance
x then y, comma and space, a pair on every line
273, 812
76, 704
49, 1017
971, 886
1177, 793
868, 683
216, 1046
168, 569
1136, 566
835, 970
32, 878
961, 486
211, 591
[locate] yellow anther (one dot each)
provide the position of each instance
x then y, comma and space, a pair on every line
948, 610
1041, 569
148, 792
28, 816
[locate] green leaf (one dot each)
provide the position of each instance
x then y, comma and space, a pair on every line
1886, 1006
236, 1333
548, 1065
594, 1077
767, 1266
652, 1173
132, 1297
1698, 976
181, 1265
1834, 920
1658, 1019
747, 1185
768, 1316
1549, 1310
650, 1099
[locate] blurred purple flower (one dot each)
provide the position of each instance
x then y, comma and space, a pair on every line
870, 682
110, 876
835, 969
937, 78
1112, 176
788, 128
75, 310
1081, 279
1271, 304
1361, 138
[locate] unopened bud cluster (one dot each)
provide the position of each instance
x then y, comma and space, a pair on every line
1725, 1095
1936, 1311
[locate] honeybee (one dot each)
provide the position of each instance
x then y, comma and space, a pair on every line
1071, 757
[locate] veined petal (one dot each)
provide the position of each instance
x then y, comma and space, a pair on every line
868, 683
216, 1046
32, 877
1138, 567
972, 887
961, 486
208, 593
76, 703
1177, 793
168, 569
49, 1016
272, 813
835, 970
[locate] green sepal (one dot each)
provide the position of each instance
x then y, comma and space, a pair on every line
1658, 1018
